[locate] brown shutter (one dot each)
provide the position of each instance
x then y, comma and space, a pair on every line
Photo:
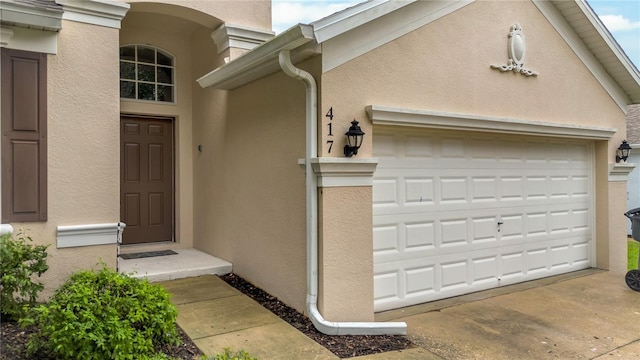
24, 136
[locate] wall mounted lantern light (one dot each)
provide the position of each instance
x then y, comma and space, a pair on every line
623, 151
354, 139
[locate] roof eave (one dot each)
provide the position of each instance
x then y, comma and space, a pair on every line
30, 16
614, 47
257, 62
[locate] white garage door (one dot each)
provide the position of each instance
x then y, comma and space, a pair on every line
461, 212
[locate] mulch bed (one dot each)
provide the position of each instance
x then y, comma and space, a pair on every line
343, 346
14, 338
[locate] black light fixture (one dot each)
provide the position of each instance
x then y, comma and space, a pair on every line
354, 139
623, 151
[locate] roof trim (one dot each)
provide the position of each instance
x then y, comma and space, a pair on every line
107, 13
345, 20
392, 116
259, 61
600, 54
31, 16
623, 89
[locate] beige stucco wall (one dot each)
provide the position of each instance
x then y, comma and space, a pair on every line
83, 146
251, 191
250, 13
345, 272
445, 66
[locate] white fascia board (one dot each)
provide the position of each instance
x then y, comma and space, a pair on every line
344, 172
581, 50
383, 115
88, 235
251, 65
107, 13
21, 14
22, 38
378, 31
343, 21
611, 42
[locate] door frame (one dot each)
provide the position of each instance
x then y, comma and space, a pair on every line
172, 120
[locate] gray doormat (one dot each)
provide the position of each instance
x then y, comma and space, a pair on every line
147, 254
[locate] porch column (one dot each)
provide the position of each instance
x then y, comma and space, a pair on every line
345, 264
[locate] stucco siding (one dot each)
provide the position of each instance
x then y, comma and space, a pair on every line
255, 217
83, 143
445, 66
252, 13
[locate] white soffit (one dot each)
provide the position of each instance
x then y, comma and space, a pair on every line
594, 46
383, 115
107, 13
22, 38
367, 32
345, 20
31, 16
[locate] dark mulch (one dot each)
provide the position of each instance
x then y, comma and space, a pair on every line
342, 346
14, 339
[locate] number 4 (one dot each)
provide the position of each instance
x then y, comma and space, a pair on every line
330, 114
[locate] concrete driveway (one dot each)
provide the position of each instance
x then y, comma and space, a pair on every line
585, 315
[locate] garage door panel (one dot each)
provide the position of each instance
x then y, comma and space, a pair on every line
456, 214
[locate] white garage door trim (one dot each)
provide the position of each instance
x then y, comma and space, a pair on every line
386, 115
476, 242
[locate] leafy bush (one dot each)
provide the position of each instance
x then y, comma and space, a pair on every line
19, 262
104, 315
228, 355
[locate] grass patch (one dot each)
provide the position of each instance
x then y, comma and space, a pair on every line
633, 247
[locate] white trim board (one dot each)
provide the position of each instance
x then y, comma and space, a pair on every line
87, 235
342, 172
577, 44
620, 171
107, 13
384, 115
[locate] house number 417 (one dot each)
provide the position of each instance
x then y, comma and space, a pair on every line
329, 114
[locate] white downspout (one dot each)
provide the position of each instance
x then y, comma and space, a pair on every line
324, 326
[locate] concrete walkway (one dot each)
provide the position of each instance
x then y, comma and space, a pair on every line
585, 315
215, 316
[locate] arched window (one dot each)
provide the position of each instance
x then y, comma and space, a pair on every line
146, 73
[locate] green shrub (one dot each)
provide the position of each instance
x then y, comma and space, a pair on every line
19, 262
228, 355
104, 315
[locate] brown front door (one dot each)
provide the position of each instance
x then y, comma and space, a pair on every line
146, 180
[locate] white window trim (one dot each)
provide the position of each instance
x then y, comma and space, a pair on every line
384, 115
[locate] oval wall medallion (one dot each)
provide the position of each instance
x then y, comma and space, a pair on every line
516, 44
517, 50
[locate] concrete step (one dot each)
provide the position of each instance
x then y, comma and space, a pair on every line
186, 263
